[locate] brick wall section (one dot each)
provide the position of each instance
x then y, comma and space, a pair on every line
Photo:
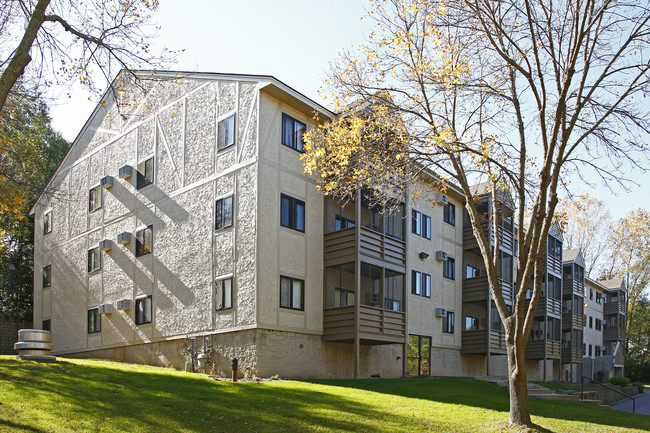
9, 334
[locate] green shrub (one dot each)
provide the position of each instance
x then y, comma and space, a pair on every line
620, 380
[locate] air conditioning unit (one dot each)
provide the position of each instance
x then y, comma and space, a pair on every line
441, 255
106, 245
124, 304
125, 172
105, 309
442, 199
603, 348
603, 322
106, 182
441, 312
124, 238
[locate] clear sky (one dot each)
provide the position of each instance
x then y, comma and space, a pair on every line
293, 40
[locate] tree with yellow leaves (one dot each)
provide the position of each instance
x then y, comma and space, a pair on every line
516, 94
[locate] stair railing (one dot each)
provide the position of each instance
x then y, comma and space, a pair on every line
582, 386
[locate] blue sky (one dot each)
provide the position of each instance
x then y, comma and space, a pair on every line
293, 40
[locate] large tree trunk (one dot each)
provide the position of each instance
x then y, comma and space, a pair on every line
518, 385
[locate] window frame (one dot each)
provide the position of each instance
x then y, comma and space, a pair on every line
140, 314
47, 222
142, 178
93, 206
46, 325
293, 217
94, 260
96, 325
449, 213
416, 222
296, 142
449, 268
47, 283
225, 143
140, 245
416, 282
448, 323
221, 291
426, 226
219, 214
292, 289
341, 222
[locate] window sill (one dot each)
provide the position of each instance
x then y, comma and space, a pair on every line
292, 310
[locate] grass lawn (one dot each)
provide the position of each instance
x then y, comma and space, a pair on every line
74, 395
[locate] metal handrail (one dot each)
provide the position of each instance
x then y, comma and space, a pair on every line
582, 386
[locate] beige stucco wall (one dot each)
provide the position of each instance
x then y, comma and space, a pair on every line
445, 293
176, 125
595, 310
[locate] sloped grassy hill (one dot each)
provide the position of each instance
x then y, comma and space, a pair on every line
74, 395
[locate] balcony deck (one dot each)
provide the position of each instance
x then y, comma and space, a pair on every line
573, 321
614, 334
572, 355
571, 285
548, 307
506, 238
376, 326
340, 247
535, 349
477, 289
615, 307
475, 342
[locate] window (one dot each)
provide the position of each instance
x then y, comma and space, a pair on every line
224, 293
343, 223
591, 294
292, 213
143, 241
145, 173
292, 132
416, 222
448, 323
47, 222
420, 284
426, 226
597, 349
505, 267
143, 310
590, 346
395, 223
449, 268
94, 259
95, 198
46, 325
472, 272
416, 282
292, 293
94, 321
554, 248
223, 217
421, 224
47, 276
393, 290
226, 132
598, 324
419, 356
449, 214
599, 298
591, 322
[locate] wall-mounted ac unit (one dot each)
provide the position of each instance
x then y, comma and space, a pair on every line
124, 238
125, 172
603, 322
441, 255
105, 309
441, 312
442, 199
124, 304
106, 245
106, 182
603, 348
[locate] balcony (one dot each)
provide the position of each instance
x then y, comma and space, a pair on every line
548, 306
572, 355
376, 326
341, 247
575, 286
475, 342
540, 349
477, 289
506, 238
614, 307
614, 334
573, 321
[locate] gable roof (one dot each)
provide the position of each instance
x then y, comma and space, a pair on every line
573, 255
268, 83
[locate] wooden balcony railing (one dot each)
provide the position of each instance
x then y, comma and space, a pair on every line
614, 334
340, 247
477, 289
536, 349
376, 326
475, 341
572, 355
614, 307
506, 238
573, 321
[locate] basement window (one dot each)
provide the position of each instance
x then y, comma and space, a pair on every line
94, 321
224, 293
143, 310
292, 293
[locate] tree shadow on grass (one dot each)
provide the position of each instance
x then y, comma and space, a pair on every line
98, 397
482, 394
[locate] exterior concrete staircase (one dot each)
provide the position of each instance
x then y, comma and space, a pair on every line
543, 393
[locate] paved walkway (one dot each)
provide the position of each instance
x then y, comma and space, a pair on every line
642, 404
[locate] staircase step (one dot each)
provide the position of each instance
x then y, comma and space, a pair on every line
593, 402
556, 397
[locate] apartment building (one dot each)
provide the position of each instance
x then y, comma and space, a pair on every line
182, 211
